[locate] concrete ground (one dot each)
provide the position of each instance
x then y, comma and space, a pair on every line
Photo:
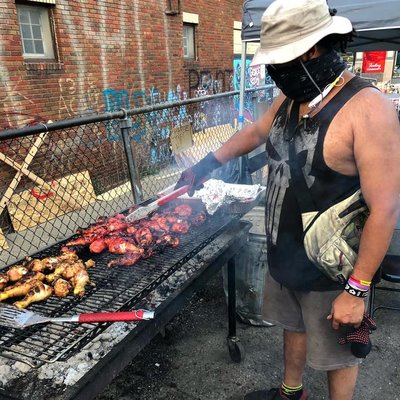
191, 361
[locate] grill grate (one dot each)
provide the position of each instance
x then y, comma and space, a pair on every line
116, 289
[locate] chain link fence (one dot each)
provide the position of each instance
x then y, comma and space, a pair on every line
58, 177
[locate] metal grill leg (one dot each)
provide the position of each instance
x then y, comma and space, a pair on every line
232, 297
235, 348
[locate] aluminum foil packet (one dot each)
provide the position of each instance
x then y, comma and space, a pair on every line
217, 193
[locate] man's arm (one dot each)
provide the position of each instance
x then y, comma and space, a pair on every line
244, 141
376, 132
250, 137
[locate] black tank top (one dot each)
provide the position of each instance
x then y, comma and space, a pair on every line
287, 260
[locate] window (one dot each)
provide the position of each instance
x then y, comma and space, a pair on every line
188, 42
34, 24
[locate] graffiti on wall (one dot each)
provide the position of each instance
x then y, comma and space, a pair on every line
255, 76
13, 99
71, 103
164, 120
206, 82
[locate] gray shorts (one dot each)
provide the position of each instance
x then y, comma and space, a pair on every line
298, 311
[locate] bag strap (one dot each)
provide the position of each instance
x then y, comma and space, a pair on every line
301, 190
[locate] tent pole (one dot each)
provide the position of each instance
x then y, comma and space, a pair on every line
242, 84
241, 101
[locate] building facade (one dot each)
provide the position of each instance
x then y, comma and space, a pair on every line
67, 58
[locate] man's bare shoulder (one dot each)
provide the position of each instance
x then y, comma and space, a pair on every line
370, 99
370, 109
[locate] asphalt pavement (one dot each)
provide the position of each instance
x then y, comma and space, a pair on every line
191, 361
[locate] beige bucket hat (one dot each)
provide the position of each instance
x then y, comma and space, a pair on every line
289, 28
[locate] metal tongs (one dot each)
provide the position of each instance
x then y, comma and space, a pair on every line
143, 212
14, 317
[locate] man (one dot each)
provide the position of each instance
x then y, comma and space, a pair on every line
346, 135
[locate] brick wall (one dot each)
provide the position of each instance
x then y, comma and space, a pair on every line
109, 55
106, 47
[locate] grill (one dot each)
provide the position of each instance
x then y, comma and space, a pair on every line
117, 288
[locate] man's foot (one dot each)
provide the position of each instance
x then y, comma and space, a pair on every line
272, 394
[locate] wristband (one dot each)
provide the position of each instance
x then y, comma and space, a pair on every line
354, 291
360, 281
355, 284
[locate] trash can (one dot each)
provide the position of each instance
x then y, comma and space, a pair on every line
251, 267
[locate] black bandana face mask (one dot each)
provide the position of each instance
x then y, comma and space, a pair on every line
296, 84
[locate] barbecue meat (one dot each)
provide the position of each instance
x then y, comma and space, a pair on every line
17, 272
143, 237
158, 227
40, 291
51, 262
128, 259
162, 223
120, 245
79, 281
31, 275
131, 229
98, 246
62, 287
199, 218
18, 290
171, 219
170, 241
79, 241
90, 263
115, 224
3, 281
66, 270
180, 226
183, 210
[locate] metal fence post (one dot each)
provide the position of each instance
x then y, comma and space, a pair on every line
125, 126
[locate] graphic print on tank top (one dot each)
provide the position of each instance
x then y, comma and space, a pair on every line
278, 167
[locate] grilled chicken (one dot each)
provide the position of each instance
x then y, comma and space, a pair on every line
128, 259
199, 218
168, 240
51, 262
90, 263
143, 237
180, 226
119, 245
17, 272
79, 281
98, 245
62, 287
183, 210
40, 291
19, 289
66, 270
3, 281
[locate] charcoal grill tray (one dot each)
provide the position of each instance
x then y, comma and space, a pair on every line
116, 289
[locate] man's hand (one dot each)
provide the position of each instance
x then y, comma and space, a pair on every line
347, 310
197, 174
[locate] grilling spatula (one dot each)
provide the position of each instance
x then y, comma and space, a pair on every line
14, 317
143, 212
